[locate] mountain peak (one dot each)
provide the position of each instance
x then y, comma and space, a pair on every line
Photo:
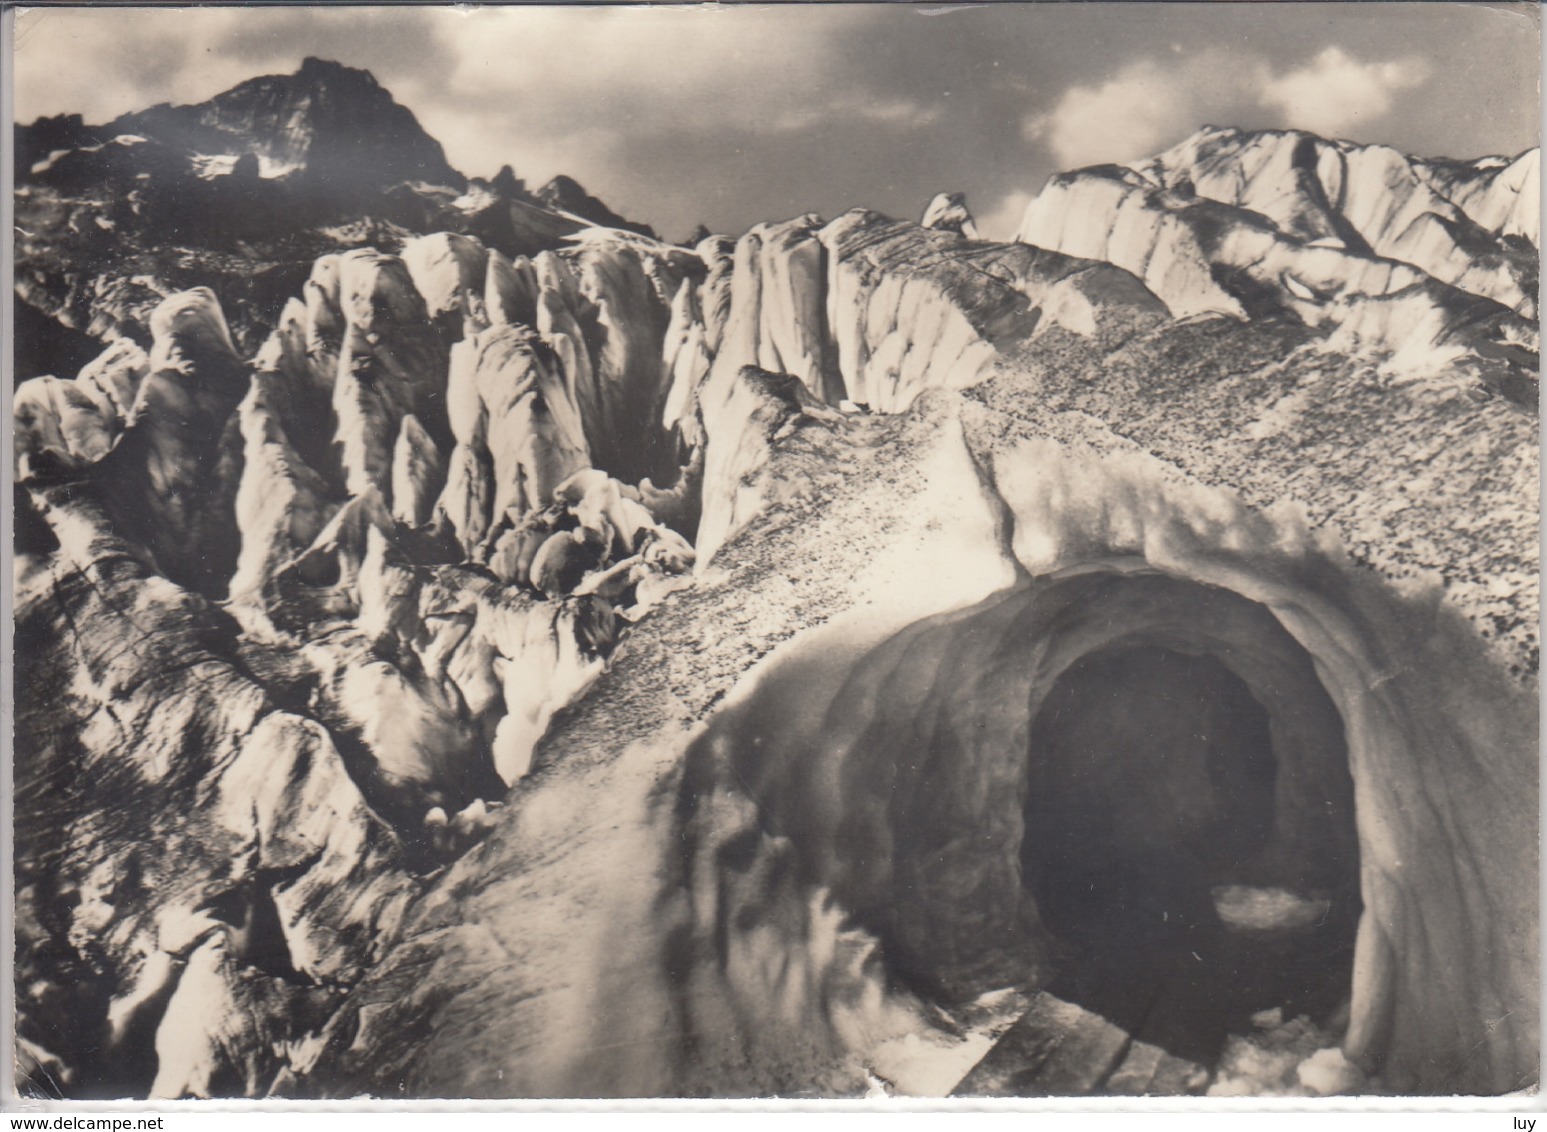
565, 194
318, 69
328, 121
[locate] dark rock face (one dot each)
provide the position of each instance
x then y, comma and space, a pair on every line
336, 125
35, 142
564, 194
531, 659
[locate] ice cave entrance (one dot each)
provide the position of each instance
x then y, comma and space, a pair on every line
1151, 853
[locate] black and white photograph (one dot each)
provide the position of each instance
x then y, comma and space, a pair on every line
841, 552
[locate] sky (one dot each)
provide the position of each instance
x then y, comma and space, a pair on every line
734, 114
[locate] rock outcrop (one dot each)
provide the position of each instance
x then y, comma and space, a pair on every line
564, 194
330, 122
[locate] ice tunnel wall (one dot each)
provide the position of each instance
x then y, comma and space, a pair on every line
911, 810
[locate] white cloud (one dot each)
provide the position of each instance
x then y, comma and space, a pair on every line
561, 88
1335, 91
45, 84
1146, 106
896, 113
1152, 103
738, 66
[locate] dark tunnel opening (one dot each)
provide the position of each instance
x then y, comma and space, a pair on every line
1149, 852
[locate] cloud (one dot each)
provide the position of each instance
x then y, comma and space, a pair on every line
893, 113
1139, 110
742, 66
735, 113
1335, 91
46, 83
1155, 101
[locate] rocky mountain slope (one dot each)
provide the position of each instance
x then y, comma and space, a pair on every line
526, 658
242, 193
335, 127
